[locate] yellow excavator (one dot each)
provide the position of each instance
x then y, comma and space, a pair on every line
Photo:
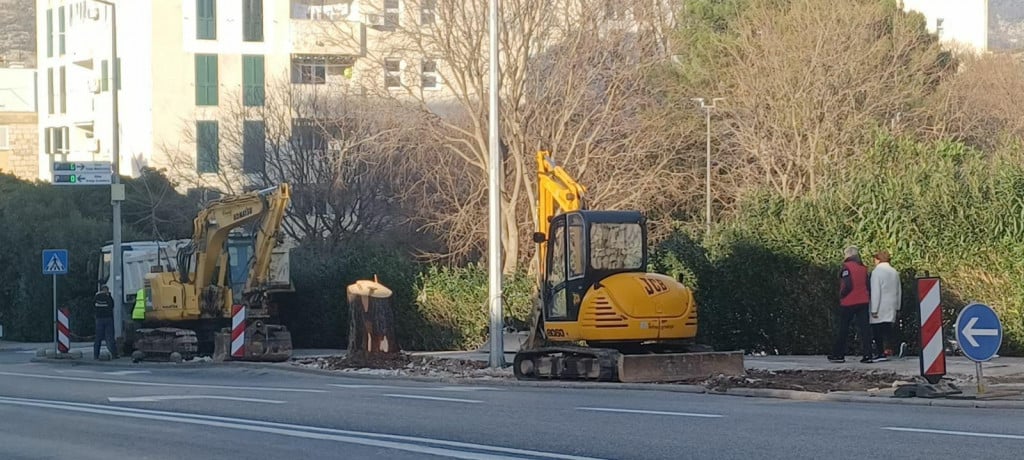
189, 311
599, 314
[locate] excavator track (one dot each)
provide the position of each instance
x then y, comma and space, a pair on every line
165, 343
602, 364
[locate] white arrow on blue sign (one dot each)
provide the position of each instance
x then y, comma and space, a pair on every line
979, 332
55, 261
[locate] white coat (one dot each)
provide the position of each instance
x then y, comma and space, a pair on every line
885, 293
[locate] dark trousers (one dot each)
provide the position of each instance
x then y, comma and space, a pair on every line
858, 314
883, 335
104, 331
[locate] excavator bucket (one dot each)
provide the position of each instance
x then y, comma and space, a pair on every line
674, 367
260, 342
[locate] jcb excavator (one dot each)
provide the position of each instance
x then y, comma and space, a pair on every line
594, 288
189, 310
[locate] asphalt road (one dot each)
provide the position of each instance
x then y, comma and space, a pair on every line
104, 412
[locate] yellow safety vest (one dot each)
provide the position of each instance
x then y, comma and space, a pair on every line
139, 312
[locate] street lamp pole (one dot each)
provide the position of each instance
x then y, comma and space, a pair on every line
497, 348
116, 188
707, 171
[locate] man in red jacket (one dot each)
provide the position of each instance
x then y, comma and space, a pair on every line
854, 298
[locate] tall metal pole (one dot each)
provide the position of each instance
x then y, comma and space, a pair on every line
707, 171
56, 350
116, 189
497, 350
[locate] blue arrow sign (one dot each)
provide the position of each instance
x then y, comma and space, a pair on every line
55, 261
979, 332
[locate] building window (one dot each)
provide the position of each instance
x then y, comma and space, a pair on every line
49, 91
206, 79
63, 91
428, 74
207, 147
57, 140
321, 9
254, 147
104, 76
252, 20
49, 33
314, 69
60, 29
428, 10
306, 135
206, 20
5, 138
392, 73
252, 81
939, 26
391, 14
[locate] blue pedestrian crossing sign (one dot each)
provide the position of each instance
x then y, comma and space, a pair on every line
55, 261
978, 332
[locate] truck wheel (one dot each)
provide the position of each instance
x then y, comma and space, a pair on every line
137, 356
176, 357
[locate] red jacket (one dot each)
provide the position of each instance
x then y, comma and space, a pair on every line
854, 285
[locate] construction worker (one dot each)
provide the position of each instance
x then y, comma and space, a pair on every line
139, 312
103, 311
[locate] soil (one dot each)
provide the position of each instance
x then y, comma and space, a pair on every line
405, 364
800, 380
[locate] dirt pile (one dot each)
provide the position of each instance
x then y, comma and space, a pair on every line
801, 380
402, 364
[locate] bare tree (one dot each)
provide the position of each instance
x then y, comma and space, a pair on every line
807, 81
341, 153
573, 82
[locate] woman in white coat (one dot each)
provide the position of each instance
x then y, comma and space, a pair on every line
885, 302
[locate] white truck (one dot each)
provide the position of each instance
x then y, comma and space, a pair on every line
140, 258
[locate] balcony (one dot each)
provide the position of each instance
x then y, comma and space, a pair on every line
328, 37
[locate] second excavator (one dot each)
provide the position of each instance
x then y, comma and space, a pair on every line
600, 315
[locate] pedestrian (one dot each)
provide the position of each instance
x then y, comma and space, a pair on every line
886, 293
104, 313
854, 297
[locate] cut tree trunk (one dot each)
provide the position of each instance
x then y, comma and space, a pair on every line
371, 320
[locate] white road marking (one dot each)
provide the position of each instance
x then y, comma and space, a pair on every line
955, 433
433, 398
159, 384
410, 388
649, 412
437, 447
127, 372
84, 371
182, 397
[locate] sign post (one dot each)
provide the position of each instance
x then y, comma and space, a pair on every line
55, 262
81, 173
980, 334
933, 357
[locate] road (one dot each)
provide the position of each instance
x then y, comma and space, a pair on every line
104, 412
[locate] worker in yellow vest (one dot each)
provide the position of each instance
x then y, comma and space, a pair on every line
139, 312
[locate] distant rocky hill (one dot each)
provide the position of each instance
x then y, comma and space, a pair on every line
18, 31
1006, 25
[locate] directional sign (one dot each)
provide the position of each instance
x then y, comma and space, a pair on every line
82, 172
55, 261
979, 332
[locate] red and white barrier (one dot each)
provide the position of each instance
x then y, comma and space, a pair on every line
237, 331
933, 356
63, 330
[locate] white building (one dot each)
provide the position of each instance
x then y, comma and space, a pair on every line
18, 122
180, 63
977, 25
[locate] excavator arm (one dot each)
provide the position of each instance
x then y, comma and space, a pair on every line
556, 189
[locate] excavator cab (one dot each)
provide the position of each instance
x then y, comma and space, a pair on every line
583, 248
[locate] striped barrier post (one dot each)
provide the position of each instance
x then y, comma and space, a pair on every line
63, 330
237, 331
933, 356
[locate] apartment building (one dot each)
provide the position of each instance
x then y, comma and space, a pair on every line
18, 123
182, 63
976, 25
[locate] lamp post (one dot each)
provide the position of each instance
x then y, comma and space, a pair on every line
497, 349
116, 187
707, 178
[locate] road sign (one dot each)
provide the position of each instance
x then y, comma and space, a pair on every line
933, 357
979, 332
82, 173
55, 261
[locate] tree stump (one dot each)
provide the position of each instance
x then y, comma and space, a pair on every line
371, 320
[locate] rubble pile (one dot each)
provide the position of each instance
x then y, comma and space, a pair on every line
406, 365
803, 380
